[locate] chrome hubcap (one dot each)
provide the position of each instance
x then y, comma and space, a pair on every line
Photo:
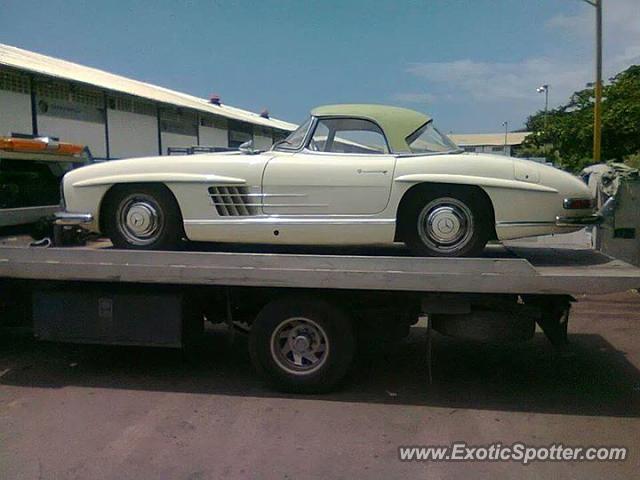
299, 346
445, 224
140, 219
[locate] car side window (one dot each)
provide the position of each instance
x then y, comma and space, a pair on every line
348, 135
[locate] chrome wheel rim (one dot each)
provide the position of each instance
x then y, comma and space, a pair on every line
140, 219
299, 346
445, 225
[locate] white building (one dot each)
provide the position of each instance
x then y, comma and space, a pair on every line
489, 142
116, 116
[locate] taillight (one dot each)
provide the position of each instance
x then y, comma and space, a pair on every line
578, 203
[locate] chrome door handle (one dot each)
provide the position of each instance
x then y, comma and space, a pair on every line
383, 172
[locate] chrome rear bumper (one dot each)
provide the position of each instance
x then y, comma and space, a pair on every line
595, 219
606, 210
67, 218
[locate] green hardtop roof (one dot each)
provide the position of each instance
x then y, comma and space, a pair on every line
397, 123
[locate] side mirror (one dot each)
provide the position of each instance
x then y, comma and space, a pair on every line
247, 148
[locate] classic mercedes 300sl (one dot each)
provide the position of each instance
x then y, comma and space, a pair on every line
350, 175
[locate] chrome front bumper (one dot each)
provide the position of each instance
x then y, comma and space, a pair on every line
67, 218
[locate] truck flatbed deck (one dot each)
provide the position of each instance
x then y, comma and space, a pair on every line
510, 270
305, 309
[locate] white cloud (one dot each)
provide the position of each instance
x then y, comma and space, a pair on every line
491, 81
566, 72
413, 97
620, 18
621, 31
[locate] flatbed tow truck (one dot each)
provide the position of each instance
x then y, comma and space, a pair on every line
306, 311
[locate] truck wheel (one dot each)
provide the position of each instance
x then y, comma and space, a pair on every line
143, 217
302, 344
446, 225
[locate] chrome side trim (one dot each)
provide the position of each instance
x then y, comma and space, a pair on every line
292, 221
524, 224
265, 194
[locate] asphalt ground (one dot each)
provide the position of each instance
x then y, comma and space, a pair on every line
91, 412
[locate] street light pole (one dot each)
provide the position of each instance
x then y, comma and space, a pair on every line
597, 107
505, 124
545, 88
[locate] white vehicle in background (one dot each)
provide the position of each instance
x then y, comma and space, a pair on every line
31, 170
351, 174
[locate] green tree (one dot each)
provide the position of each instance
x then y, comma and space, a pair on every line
566, 135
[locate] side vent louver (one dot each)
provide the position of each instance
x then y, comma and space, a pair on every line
232, 201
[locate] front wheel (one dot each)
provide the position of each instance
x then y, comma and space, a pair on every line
143, 217
446, 225
302, 344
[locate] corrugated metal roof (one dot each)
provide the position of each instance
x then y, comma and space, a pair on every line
476, 139
55, 67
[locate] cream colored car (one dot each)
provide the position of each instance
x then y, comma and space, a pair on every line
350, 175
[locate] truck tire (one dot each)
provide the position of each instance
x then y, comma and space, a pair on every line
143, 217
302, 344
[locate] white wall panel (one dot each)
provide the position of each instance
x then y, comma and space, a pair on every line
214, 137
15, 113
176, 140
132, 134
75, 131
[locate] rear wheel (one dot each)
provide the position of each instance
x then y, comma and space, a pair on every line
302, 344
450, 224
144, 217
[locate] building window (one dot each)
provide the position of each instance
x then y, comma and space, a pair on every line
132, 105
92, 98
14, 82
179, 121
211, 121
52, 90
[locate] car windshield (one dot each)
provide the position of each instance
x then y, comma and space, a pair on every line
427, 139
295, 138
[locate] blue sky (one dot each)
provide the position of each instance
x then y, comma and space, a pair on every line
470, 64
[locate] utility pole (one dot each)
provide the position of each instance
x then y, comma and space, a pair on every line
597, 106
